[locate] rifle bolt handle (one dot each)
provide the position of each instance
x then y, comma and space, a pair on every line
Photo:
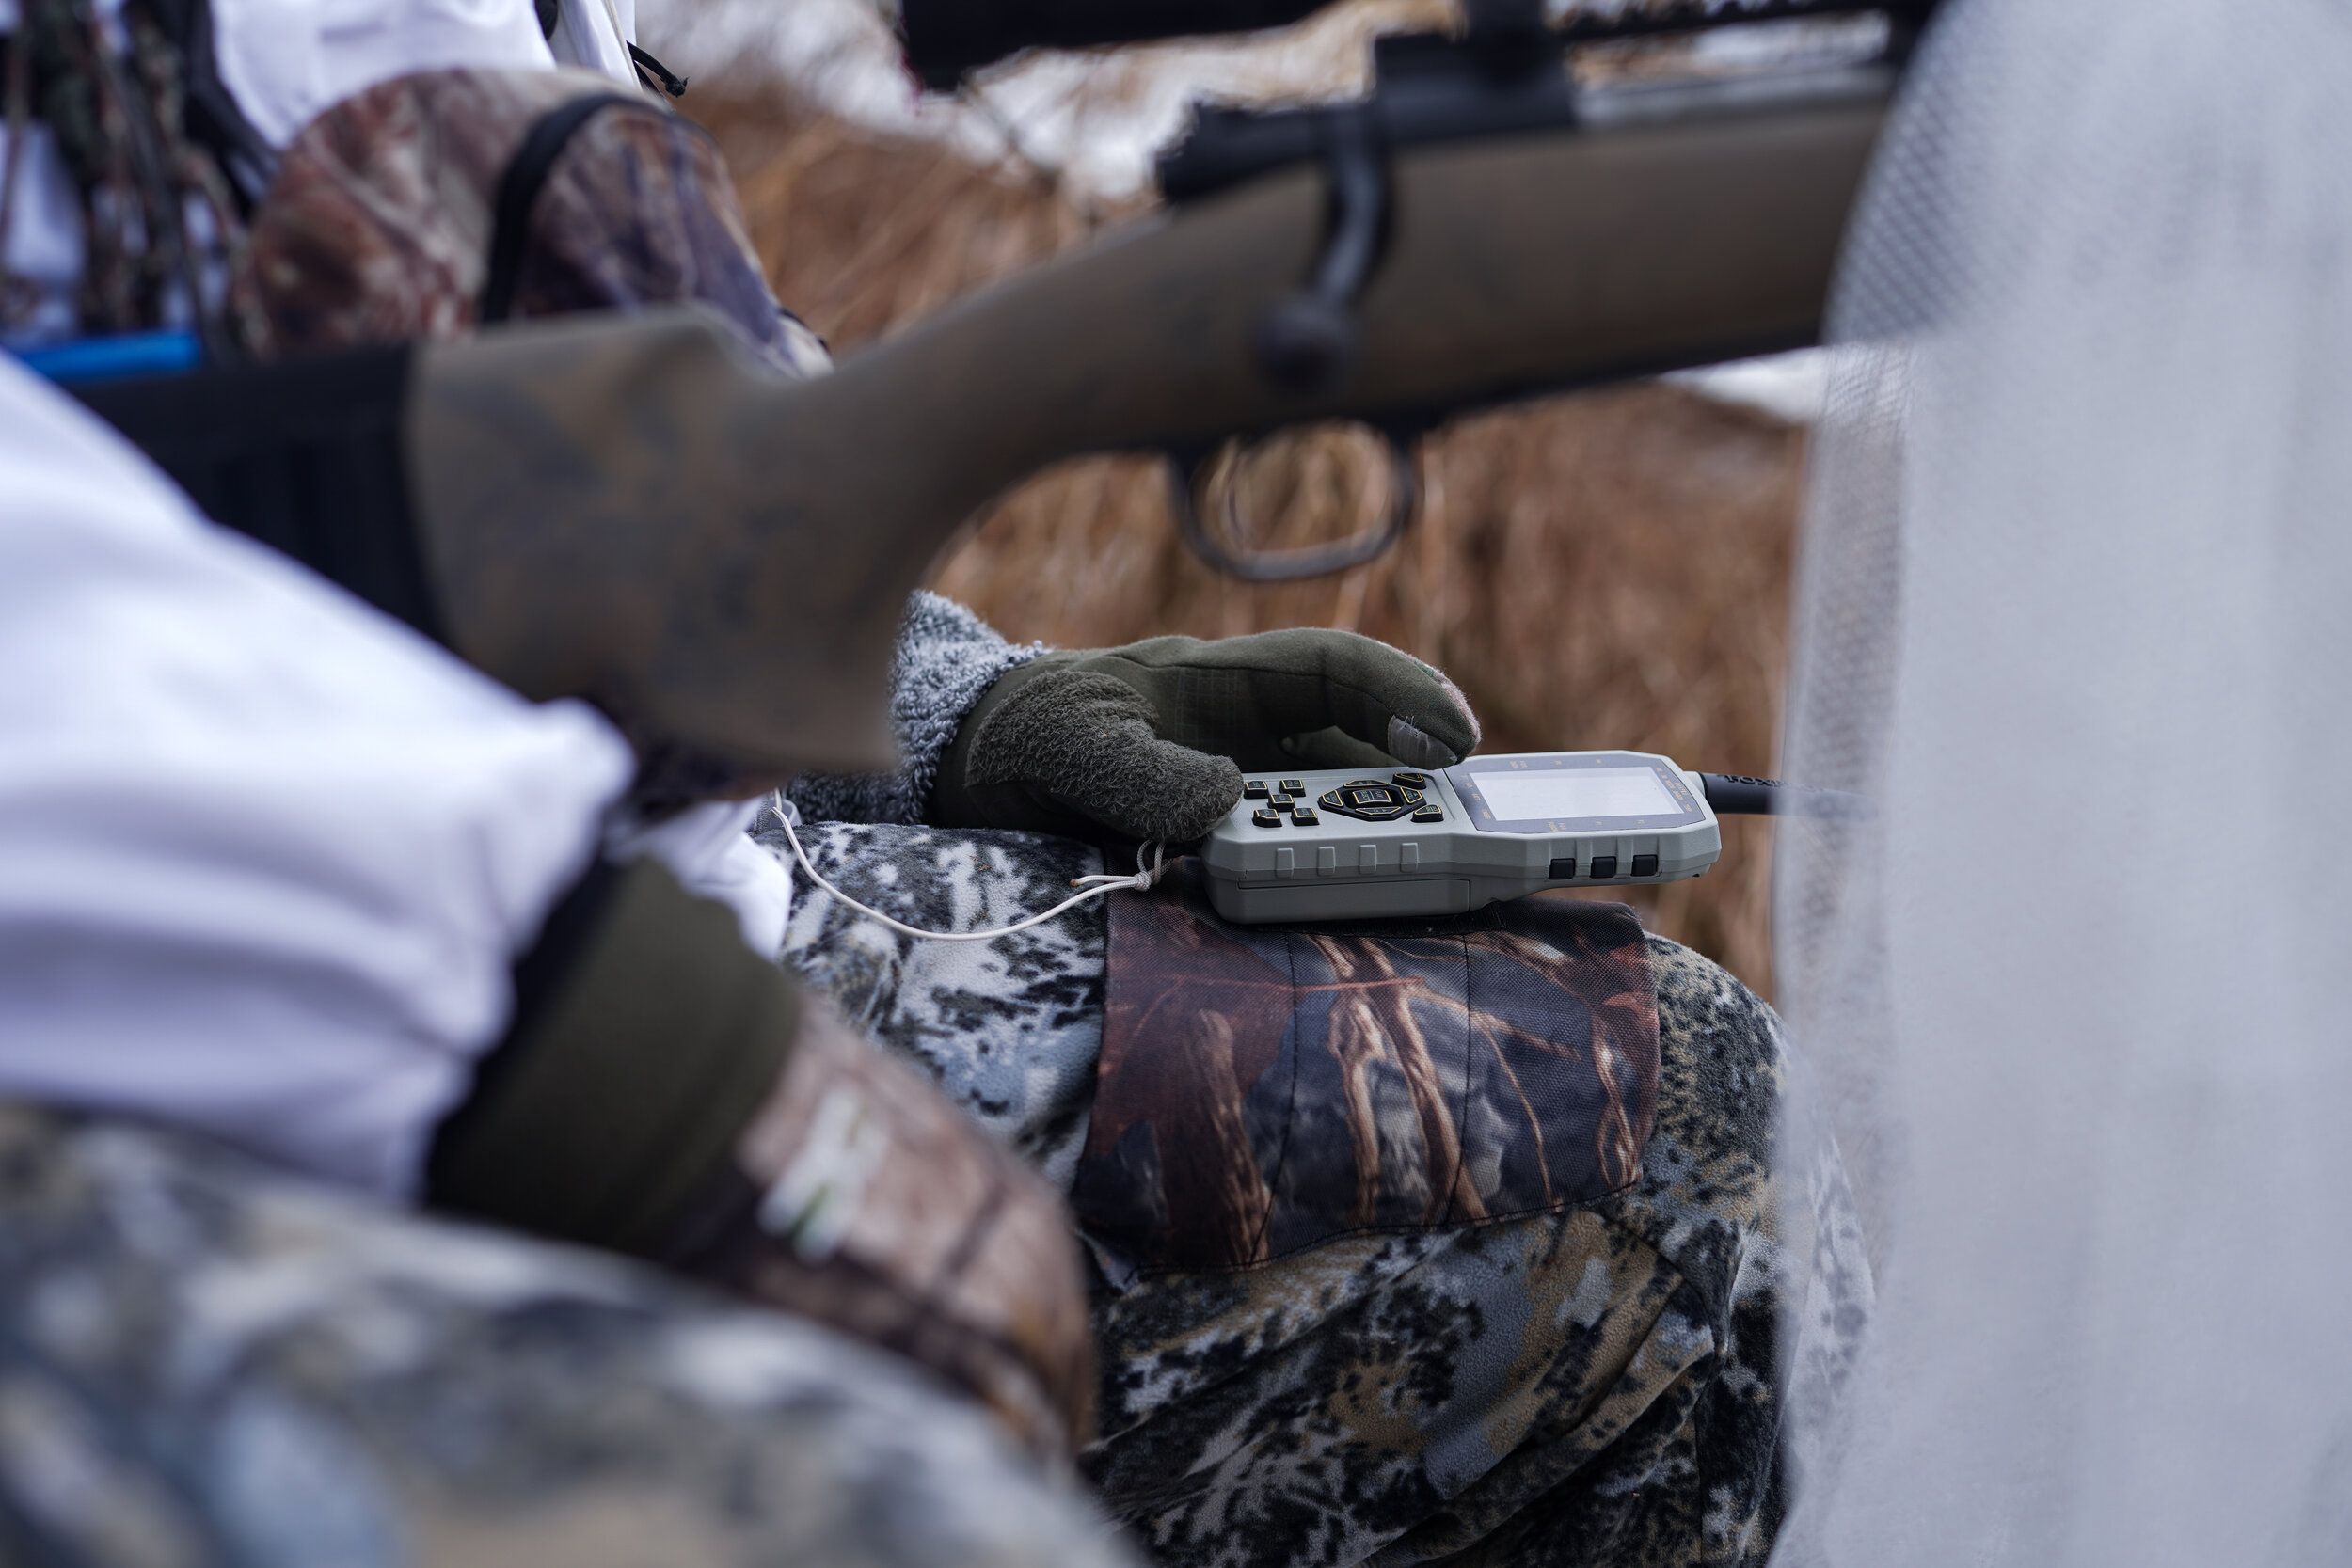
1306, 342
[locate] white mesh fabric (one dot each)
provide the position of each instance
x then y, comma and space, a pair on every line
2076, 608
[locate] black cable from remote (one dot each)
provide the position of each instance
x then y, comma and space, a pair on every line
1737, 795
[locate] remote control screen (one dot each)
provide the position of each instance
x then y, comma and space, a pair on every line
1582, 792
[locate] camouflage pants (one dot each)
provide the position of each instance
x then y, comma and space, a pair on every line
202, 1362
1602, 1383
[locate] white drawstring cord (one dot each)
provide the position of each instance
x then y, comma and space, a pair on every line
1144, 877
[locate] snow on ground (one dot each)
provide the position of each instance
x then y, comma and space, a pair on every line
1099, 120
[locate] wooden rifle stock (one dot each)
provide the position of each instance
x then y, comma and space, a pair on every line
631, 511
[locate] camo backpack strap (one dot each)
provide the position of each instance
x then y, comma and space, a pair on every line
432, 204
1264, 1089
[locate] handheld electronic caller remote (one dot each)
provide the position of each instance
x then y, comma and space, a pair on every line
1350, 844
1357, 843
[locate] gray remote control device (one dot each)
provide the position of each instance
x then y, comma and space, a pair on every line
1357, 843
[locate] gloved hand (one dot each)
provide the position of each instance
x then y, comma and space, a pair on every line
1150, 742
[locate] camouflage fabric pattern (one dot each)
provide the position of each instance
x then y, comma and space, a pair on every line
379, 224
1009, 1030
1601, 1384
205, 1362
1262, 1090
860, 1198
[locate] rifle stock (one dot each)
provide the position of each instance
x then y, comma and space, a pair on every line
631, 511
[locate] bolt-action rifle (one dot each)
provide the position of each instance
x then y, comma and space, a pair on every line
627, 510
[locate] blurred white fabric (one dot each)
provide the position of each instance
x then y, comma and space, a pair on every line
595, 35
288, 59
709, 849
2074, 611
266, 856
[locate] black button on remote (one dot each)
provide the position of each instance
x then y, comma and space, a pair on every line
1293, 786
1305, 816
1370, 801
1266, 818
1285, 803
1564, 870
1254, 790
1410, 781
1429, 814
1645, 865
1604, 866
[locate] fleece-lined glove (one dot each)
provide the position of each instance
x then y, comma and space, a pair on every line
1150, 742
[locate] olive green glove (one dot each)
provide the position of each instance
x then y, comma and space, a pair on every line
1150, 742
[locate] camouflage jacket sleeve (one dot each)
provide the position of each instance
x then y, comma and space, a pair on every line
948, 656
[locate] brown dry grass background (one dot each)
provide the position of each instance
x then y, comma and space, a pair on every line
1603, 570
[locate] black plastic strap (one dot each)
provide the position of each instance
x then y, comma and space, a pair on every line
669, 81
525, 177
304, 455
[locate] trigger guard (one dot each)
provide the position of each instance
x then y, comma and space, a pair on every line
1185, 472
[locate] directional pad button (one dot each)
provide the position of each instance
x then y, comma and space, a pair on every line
1370, 800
